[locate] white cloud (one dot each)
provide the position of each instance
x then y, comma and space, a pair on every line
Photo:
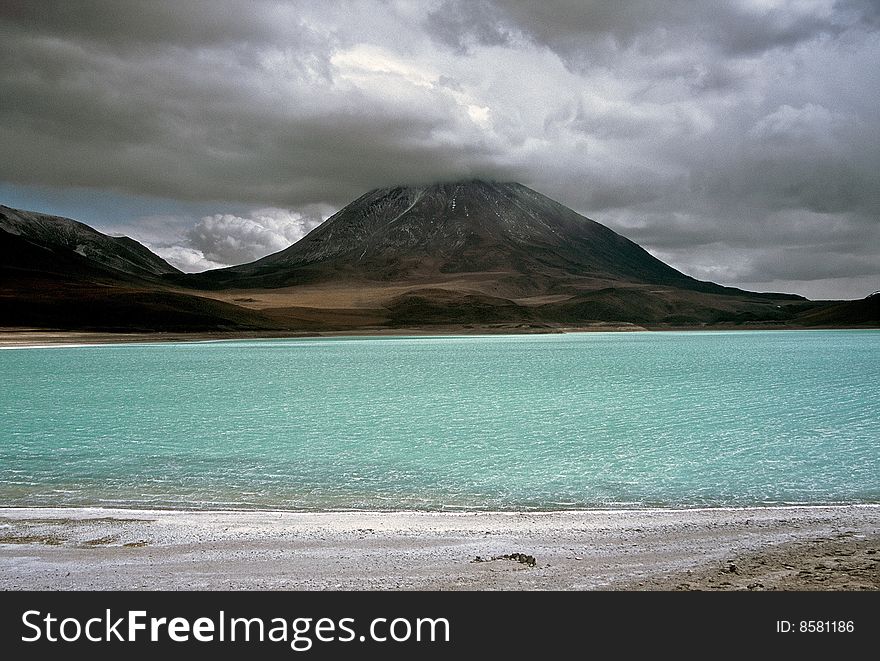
230, 239
224, 239
188, 260
363, 62
786, 123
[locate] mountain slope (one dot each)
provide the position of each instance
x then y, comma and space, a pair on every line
477, 252
59, 273
37, 241
469, 255
531, 242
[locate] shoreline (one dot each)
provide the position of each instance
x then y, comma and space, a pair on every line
16, 511
833, 547
39, 339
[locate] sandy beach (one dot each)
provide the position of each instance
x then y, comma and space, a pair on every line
11, 338
36, 339
788, 548
40, 338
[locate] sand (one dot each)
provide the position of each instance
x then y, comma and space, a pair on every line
37, 339
14, 338
790, 548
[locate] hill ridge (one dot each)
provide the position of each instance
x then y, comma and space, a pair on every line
67, 237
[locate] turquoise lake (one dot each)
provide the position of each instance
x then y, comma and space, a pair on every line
690, 419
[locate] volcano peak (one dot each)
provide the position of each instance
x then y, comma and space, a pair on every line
471, 226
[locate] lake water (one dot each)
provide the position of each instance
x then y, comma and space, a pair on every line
487, 422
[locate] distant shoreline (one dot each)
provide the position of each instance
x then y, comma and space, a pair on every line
39, 338
767, 548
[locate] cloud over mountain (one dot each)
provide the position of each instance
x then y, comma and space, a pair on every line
719, 135
230, 239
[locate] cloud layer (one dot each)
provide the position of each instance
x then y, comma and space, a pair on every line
230, 239
739, 140
224, 239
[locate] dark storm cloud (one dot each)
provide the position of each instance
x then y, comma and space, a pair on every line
228, 100
462, 25
578, 28
736, 139
128, 24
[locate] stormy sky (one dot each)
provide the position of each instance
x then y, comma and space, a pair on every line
738, 141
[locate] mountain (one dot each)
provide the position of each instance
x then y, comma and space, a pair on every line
477, 255
51, 243
478, 252
412, 233
864, 311
59, 273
